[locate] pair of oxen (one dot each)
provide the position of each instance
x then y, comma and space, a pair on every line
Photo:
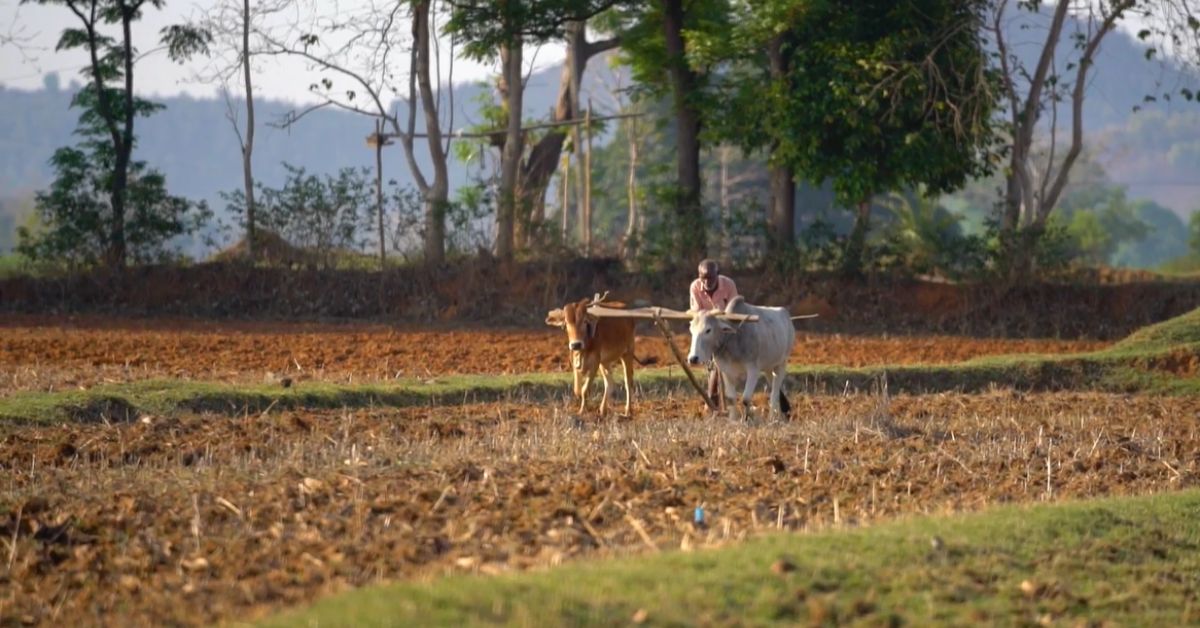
743, 351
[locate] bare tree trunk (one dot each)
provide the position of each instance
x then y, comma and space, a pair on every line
565, 179
688, 210
248, 144
1027, 205
379, 191
510, 59
852, 264
543, 158
725, 248
781, 221
437, 195
628, 250
586, 210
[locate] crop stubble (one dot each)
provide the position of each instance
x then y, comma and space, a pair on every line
200, 518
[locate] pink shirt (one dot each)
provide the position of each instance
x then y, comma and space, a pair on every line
701, 300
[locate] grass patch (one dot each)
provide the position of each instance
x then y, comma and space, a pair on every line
1129, 561
121, 402
1161, 358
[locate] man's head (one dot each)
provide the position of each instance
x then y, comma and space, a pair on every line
708, 271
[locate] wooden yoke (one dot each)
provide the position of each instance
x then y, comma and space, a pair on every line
655, 313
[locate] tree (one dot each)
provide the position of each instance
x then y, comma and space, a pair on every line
113, 109
660, 48
75, 213
1034, 180
875, 97
231, 23
358, 50
499, 30
543, 156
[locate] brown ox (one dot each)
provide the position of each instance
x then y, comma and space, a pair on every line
597, 344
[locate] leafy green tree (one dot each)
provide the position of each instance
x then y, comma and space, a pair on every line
75, 213
1194, 233
664, 47
1099, 220
873, 96
323, 216
110, 107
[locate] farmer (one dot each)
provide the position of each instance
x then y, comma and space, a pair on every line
711, 291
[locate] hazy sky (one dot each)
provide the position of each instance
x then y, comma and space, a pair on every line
36, 30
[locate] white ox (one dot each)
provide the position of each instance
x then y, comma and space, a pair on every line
744, 351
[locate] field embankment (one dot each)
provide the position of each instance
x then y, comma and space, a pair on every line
481, 292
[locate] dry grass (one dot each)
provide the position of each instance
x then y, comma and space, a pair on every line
200, 518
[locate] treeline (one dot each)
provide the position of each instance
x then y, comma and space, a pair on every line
886, 113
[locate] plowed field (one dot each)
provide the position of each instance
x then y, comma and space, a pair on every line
195, 519
49, 353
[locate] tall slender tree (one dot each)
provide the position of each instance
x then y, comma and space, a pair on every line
500, 30
664, 46
110, 85
356, 55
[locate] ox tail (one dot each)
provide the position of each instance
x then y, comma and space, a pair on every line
785, 406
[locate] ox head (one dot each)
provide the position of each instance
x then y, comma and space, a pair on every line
708, 331
574, 318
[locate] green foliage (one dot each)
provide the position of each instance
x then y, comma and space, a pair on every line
876, 97
485, 26
75, 216
138, 216
706, 23
75, 212
1100, 219
324, 216
924, 237
1194, 232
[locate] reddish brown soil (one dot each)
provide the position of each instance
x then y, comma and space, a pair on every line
198, 519
55, 352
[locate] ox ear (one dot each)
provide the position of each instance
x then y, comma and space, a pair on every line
556, 318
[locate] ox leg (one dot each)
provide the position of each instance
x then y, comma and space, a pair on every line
583, 391
607, 384
752, 374
627, 365
731, 395
775, 378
